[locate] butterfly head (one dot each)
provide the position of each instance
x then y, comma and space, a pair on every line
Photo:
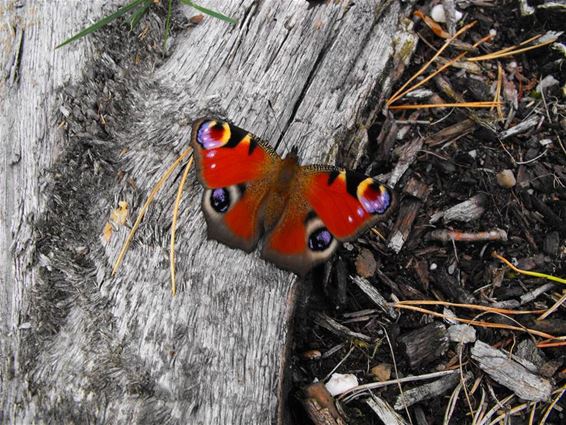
293, 154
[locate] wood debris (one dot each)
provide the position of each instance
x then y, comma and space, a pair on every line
472, 141
372, 292
426, 391
444, 235
424, 345
384, 411
469, 210
409, 207
320, 406
511, 374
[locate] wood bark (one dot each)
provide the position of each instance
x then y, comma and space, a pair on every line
95, 123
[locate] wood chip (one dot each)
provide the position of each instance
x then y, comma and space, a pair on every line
338, 329
384, 411
510, 373
462, 334
320, 406
427, 391
373, 294
381, 372
466, 211
365, 263
407, 154
408, 210
521, 127
423, 346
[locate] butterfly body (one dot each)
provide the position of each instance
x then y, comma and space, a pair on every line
300, 211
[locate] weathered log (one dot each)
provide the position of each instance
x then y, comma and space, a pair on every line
88, 125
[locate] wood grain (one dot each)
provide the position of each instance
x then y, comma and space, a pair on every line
95, 123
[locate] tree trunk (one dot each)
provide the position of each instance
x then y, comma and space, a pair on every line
97, 122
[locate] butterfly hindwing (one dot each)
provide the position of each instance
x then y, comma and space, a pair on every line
235, 168
300, 240
325, 205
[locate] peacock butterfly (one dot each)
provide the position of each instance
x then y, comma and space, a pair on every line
302, 212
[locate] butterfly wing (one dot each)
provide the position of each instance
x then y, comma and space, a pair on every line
235, 167
325, 205
347, 202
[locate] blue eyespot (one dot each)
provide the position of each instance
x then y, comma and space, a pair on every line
320, 239
220, 200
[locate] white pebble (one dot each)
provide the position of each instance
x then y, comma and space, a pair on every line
439, 15
340, 383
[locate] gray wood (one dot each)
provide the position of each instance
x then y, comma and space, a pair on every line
425, 345
427, 391
78, 345
511, 373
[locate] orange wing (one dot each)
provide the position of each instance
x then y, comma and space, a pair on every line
300, 240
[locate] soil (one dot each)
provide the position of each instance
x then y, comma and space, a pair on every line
525, 207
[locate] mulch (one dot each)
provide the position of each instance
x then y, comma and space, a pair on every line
477, 182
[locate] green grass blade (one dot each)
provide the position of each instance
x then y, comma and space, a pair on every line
210, 12
138, 14
99, 24
167, 24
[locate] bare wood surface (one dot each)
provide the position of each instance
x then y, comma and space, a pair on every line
78, 345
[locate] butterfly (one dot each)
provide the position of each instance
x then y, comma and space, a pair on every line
300, 212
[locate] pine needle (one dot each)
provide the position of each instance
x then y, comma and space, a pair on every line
399, 93
513, 50
470, 306
145, 206
174, 225
476, 322
527, 272
480, 104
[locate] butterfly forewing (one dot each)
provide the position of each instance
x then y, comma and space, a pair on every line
227, 155
236, 168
